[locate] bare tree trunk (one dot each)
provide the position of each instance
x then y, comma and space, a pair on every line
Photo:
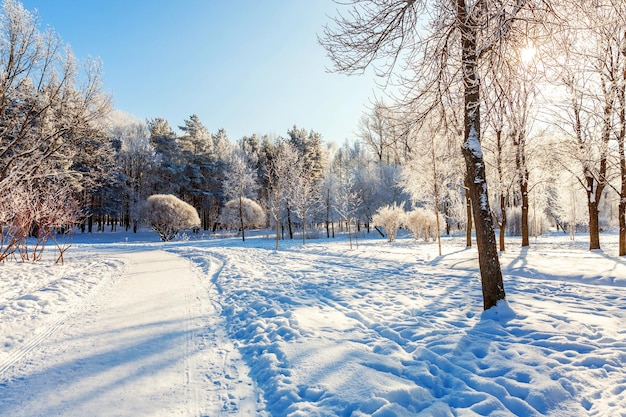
622, 201
328, 213
277, 218
243, 233
491, 274
622, 205
519, 140
436, 192
289, 225
525, 207
468, 211
622, 152
503, 220
592, 204
595, 187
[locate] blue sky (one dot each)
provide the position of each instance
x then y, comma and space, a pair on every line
250, 66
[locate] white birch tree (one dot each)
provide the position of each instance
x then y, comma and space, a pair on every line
281, 160
240, 182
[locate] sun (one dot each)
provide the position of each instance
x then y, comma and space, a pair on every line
528, 53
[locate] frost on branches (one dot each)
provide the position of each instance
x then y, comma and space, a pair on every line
421, 223
242, 213
390, 218
31, 216
168, 215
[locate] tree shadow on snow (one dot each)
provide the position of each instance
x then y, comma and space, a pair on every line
65, 387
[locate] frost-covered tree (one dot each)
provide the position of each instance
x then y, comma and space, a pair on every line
621, 146
422, 224
385, 133
41, 212
49, 102
431, 176
303, 194
348, 203
243, 213
196, 138
390, 218
168, 176
136, 162
309, 146
588, 79
239, 183
167, 215
447, 46
280, 159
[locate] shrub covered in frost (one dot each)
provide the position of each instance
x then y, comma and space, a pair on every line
167, 215
390, 218
421, 223
251, 214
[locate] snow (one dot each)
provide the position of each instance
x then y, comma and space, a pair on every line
216, 327
472, 143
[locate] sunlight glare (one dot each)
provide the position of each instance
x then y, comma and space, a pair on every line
528, 53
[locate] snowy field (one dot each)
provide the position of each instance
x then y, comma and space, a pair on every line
215, 327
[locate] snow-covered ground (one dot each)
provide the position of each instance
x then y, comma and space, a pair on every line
133, 327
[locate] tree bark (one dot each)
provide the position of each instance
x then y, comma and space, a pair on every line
522, 172
622, 152
491, 274
592, 205
243, 233
525, 207
289, 225
622, 201
468, 211
503, 220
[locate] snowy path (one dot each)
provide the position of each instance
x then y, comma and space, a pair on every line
151, 344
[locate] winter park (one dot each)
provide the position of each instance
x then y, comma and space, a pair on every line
446, 237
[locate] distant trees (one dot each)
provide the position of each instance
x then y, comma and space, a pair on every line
467, 84
167, 215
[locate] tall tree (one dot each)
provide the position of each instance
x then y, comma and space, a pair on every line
621, 139
136, 162
463, 39
240, 182
280, 160
168, 176
48, 102
589, 74
309, 145
196, 137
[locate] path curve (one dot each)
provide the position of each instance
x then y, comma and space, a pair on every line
146, 346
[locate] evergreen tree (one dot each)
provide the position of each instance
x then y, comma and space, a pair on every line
196, 138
